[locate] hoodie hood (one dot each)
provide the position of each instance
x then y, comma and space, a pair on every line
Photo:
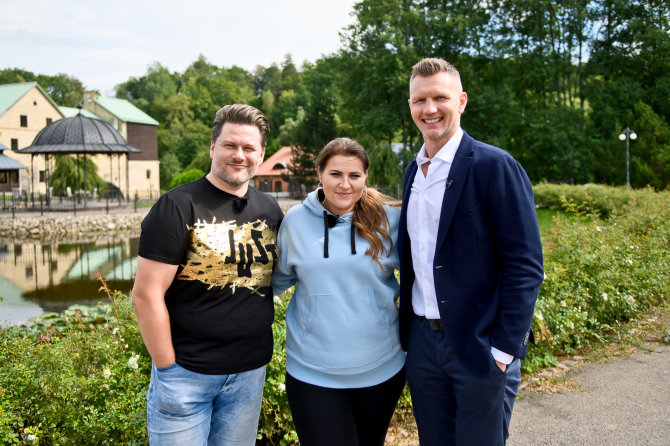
313, 204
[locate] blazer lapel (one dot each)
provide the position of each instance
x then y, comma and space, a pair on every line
408, 180
455, 182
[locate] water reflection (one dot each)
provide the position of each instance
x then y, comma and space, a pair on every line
37, 277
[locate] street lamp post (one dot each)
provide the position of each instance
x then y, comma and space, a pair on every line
627, 135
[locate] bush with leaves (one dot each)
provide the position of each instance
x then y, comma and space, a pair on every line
602, 199
601, 273
75, 378
81, 377
186, 177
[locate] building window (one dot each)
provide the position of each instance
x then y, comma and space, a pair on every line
9, 177
43, 176
278, 186
24, 121
49, 121
15, 144
148, 174
29, 272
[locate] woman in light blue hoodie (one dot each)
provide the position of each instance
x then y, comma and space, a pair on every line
344, 364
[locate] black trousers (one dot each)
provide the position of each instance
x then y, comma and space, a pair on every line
343, 417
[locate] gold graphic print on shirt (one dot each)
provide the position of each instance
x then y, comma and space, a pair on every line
230, 254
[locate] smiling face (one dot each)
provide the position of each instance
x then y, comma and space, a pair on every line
236, 154
436, 103
343, 179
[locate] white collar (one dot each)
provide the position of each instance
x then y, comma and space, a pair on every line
446, 153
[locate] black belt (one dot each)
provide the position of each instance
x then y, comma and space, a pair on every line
434, 324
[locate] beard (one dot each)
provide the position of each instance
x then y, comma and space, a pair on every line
440, 136
237, 179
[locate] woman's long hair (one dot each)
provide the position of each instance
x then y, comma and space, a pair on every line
369, 215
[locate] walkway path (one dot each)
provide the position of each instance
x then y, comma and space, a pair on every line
625, 401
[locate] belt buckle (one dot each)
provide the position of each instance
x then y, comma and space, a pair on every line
435, 324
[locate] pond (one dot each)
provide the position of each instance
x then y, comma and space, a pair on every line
37, 276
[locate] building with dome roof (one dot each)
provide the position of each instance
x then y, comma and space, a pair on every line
26, 109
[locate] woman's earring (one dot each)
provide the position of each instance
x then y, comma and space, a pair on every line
320, 194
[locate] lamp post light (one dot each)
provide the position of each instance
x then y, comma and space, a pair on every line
627, 135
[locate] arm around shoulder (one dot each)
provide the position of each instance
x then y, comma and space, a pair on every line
283, 275
151, 281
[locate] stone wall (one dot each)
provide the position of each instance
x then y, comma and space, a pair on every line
69, 227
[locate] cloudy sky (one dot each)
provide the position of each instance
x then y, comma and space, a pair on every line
103, 43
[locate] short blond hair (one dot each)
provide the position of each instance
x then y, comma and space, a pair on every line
433, 65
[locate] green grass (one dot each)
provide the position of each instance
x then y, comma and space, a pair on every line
545, 218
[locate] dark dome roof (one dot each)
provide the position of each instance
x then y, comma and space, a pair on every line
79, 134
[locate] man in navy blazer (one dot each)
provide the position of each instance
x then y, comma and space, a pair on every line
471, 268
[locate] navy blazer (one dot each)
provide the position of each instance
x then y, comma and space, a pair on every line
488, 257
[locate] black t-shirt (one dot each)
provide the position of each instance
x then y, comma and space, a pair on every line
220, 301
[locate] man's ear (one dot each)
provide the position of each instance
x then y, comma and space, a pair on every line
463, 102
211, 150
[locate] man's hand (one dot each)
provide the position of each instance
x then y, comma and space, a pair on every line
501, 366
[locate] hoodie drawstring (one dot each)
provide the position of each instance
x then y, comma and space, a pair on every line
330, 221
326, 224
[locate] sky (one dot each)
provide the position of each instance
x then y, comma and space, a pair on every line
104, 43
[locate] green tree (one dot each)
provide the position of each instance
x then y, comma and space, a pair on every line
385, 168
69, 172
65, 90
650, 152
317, 123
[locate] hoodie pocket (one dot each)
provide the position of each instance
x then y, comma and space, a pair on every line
346, 330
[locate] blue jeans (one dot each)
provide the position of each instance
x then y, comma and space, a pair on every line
189, 408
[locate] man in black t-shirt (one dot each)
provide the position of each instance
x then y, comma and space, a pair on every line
202, 293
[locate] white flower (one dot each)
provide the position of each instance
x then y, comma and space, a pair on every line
598, 229
132, 362
539, 316
106, 373
282, 387
604, 296
630, 262
277, 300
30, 437
116, 329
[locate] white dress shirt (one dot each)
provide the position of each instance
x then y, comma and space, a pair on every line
423, 220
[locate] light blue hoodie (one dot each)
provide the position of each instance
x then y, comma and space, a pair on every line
342, 322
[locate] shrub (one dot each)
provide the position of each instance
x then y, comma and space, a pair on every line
75, 378
81, 377
600, 273
603, 199
186, 177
